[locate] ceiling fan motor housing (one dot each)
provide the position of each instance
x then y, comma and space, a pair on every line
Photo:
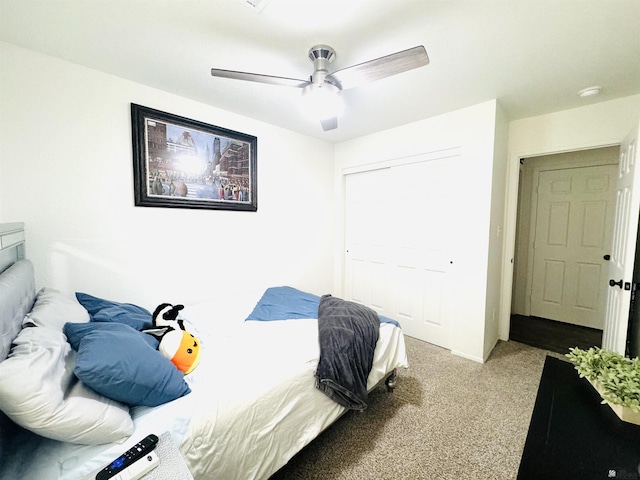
321, 56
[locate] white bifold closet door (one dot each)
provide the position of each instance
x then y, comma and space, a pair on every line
399, 223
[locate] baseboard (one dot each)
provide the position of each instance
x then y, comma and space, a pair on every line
467, 356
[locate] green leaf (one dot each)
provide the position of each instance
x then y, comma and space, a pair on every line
617, 375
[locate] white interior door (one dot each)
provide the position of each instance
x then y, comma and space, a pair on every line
399, 224
573, 229
623, 249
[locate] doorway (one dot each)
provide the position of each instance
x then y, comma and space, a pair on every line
566, 204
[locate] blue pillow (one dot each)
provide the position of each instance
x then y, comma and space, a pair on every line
124, 364
108, 311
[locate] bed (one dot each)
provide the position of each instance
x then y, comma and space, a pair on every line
255, 399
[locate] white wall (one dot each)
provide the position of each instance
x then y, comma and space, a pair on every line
66, 171
496, 237
597, 125
473, 130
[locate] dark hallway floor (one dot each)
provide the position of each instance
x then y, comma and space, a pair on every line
553, 335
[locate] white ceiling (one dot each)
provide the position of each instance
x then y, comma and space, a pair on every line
532, 55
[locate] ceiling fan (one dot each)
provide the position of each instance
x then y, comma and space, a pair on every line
323, 88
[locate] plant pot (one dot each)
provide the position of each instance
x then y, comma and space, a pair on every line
624, 413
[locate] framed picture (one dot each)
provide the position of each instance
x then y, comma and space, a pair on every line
178, 162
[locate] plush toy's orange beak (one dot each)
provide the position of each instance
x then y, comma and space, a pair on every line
188, 355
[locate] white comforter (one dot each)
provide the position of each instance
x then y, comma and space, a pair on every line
253, 404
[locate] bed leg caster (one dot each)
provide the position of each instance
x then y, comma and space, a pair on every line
392, 381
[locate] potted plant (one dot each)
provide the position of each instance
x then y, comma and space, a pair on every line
614, 376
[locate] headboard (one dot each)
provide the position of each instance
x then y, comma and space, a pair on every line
17, 284
11, 244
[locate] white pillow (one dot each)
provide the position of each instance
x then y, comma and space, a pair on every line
39, 391
53, 308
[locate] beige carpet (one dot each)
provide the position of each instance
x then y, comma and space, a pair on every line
448, 418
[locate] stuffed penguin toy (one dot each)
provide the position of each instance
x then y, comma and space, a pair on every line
178, 345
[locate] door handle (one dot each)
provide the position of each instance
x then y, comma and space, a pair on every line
607, 257
613, 283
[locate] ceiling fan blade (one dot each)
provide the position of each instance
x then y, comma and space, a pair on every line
379, 68
258, 77
329, 123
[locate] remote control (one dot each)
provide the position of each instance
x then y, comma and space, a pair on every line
140, 468
135, 453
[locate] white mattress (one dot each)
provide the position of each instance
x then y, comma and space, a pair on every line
253, 404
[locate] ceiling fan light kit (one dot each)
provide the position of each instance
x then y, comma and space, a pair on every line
322, 101
321, 94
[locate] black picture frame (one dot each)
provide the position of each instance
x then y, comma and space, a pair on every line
184, 163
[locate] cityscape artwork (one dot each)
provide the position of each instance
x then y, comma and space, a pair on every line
185, 163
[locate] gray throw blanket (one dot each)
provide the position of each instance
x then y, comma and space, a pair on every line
348, 333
